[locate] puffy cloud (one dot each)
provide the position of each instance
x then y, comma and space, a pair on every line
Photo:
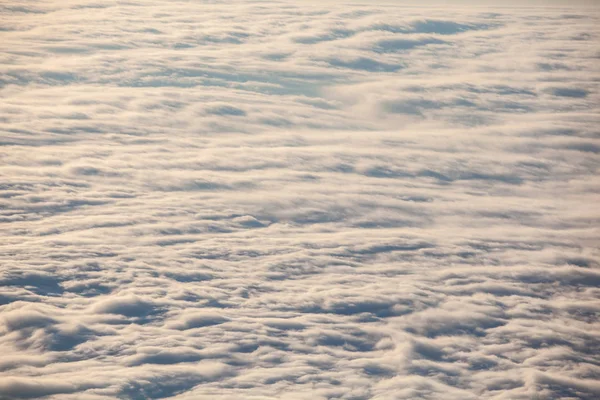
308, 201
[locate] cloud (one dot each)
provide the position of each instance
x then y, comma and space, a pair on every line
305, 201
34, 389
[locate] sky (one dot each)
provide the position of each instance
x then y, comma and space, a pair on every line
299, 200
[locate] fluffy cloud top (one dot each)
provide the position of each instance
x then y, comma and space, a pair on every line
265, 200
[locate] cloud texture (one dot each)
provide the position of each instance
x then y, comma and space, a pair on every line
292, 200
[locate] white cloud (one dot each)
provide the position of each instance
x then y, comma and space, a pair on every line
304, 201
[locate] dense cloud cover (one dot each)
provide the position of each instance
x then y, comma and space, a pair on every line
293, 200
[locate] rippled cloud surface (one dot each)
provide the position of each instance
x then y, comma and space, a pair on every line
297, 200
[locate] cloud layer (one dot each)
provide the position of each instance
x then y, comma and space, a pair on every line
273, 200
